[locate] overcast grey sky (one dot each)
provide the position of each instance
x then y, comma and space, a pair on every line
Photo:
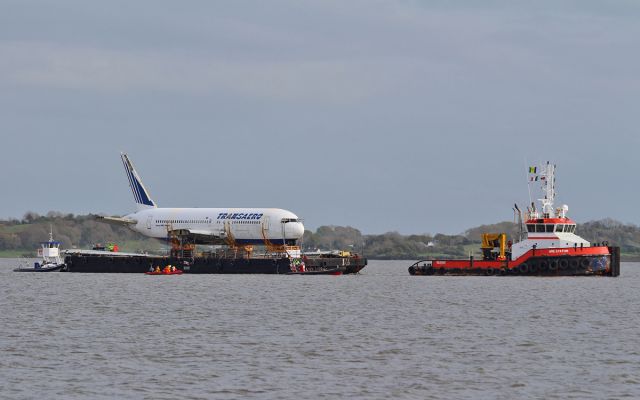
409, 116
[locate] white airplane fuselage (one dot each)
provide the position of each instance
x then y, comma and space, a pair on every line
242, 225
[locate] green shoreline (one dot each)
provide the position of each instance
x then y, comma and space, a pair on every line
21, 238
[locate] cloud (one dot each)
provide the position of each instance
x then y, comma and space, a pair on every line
38, 64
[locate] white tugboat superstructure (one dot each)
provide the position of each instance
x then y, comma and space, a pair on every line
550, 228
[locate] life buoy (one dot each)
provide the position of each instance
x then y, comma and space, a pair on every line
553, 265
573, 263
489, 271
585, 262
533, 268
543, 265
412, 270
523, 268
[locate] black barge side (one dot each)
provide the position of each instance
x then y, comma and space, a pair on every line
114, 263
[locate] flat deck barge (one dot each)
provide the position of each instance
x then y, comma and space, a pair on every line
109, 262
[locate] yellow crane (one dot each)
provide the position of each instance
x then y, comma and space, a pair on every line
491, 241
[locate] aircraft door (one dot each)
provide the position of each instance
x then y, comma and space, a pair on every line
149, 221
265, 228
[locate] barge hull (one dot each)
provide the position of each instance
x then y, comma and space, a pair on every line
93, 263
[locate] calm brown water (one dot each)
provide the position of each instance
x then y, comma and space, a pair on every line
381, 334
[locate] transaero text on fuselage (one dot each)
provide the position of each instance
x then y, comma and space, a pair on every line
239, 216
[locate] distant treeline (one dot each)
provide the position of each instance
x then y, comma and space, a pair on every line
83, 231
393, 245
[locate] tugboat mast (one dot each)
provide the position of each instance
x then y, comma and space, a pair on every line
548, 179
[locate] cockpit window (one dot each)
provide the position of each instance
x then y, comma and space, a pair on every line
285, 220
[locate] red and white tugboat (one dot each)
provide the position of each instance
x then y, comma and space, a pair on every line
548, 247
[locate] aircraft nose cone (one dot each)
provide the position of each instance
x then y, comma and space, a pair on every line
294, 230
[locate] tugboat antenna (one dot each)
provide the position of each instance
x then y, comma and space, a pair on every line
547, 176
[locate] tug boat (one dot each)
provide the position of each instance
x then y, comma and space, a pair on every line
50, 257
547, 245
